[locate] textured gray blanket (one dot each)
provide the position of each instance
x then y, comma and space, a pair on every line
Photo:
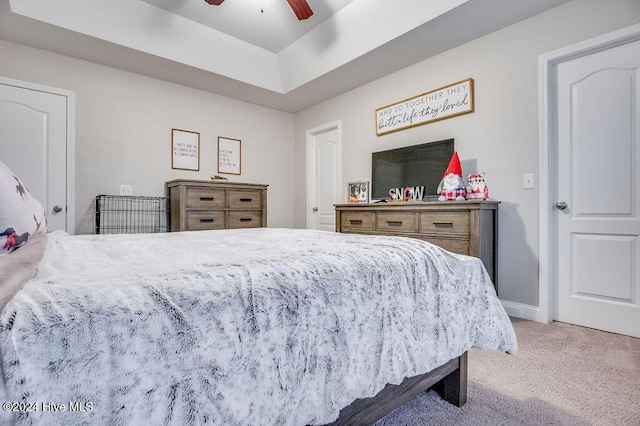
238, 327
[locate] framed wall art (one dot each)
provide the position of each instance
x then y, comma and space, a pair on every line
358, 192
445, 102
185, 150
229, 156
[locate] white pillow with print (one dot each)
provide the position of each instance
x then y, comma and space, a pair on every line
21, 215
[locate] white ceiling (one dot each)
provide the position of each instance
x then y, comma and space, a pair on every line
269, 58
270, 24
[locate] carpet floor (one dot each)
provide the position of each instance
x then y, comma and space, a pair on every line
562, 375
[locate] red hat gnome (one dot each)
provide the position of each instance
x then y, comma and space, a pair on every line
452, 186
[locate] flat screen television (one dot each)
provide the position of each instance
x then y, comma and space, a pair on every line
411, 166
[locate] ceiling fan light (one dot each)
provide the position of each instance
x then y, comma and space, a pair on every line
214, 2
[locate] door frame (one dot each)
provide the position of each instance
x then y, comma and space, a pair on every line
547, 69
311, 164
71, 140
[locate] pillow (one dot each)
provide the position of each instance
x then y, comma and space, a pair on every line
21, 215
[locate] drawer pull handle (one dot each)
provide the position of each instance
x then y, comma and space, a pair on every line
394, 222
355, 221
447, 224
205, 220
246, 200
245, 219
206, 198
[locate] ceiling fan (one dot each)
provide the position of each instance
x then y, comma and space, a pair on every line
300, 7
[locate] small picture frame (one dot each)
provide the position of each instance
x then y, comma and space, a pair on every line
358, 192
229, 156
185, 150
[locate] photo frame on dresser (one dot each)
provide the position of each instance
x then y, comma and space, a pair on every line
358, 192
185, 150
229, 156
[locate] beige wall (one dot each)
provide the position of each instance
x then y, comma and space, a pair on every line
499, 138
123, 130
124, 121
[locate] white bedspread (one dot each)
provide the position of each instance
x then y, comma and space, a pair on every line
248, 327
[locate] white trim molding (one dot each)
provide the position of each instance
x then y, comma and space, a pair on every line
547, 68
520, 310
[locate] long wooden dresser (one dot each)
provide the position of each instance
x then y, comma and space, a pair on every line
216, 204
464, 227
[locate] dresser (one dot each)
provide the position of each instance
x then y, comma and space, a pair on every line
216, 204
464, 227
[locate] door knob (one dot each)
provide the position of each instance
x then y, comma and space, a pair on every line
561, 205
57, 209
315, 210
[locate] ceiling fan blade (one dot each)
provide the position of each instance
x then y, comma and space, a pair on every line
214, 2
301, 9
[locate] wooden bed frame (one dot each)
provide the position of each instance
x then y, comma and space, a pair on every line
450, 380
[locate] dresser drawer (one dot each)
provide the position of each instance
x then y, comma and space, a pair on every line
444, 223
204, 198
454, 246
396, 222
357, 221
244, 199
246, 219
202, 219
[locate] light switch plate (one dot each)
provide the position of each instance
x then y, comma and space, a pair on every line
528, 181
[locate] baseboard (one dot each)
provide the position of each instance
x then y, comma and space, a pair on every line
520, 310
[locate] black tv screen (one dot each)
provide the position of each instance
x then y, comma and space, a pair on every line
411, 166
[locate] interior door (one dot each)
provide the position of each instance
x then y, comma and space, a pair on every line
323, 176
33, 143
598, 205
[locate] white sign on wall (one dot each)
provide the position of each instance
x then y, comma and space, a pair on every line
185, 147
229, 156
445, 102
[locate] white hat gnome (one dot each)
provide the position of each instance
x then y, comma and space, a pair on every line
452, 186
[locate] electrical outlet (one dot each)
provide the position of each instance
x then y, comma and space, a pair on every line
528, 181
126, 190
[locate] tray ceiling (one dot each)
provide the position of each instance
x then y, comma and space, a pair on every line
269, 58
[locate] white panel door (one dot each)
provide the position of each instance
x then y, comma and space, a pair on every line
598, 257
33, 143
323, 176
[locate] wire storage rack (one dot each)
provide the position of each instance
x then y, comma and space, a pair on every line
125, 214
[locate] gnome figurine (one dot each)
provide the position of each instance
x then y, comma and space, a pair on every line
477, 189
452, 186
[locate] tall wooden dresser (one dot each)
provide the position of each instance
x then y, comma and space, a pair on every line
216, 204
464, 227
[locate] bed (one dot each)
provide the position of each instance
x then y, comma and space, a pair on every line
258, 326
